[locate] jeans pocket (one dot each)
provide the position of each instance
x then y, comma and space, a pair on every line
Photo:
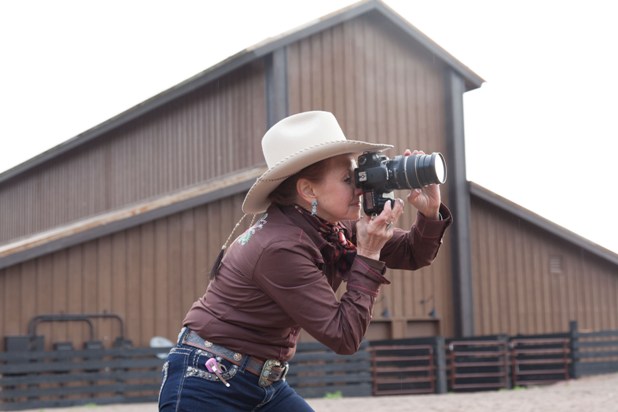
222, 368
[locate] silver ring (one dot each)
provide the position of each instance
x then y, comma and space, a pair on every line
389, 225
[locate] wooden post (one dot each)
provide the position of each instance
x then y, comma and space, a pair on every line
459, 203
440, 359
573, 338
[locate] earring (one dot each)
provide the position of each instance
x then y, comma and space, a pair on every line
314, 207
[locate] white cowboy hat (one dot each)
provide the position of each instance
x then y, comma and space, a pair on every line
295, 143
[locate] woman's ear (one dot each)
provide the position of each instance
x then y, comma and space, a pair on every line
304, 189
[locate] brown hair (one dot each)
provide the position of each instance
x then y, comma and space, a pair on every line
285, 194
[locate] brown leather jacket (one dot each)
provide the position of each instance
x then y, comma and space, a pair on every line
273, 281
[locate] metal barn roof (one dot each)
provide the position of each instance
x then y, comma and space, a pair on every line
471, 79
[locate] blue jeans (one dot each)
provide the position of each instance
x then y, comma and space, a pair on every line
187, 386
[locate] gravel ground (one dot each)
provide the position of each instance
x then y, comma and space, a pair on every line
590, 394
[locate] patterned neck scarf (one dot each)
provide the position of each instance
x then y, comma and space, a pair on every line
338, 249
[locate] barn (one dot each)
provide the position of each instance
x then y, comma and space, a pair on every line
124, 221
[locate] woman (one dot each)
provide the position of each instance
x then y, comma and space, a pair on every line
281, 275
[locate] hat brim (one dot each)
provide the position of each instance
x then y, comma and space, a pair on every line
257, 201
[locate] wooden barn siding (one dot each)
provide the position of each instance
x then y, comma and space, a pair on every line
382, 88
514, 289
149, 275
211, 132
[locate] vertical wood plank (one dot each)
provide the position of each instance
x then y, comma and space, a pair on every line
133, 319
119, 284
59, 295
25, 295
11, 308
187, 271
175, 273
104, 327
147, 286
74, 292
164, 278
44, 296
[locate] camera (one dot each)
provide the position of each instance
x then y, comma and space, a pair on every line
378, 176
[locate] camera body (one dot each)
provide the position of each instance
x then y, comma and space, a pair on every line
378, 176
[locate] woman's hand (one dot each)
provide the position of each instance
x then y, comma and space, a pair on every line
372, 232
427, 199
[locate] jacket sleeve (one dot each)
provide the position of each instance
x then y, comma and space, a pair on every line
294, 279
412, 249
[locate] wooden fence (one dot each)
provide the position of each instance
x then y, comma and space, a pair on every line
317, 371
476, 364
537, 360
31, 378
403, 368
68, 377
594, 352
408, 366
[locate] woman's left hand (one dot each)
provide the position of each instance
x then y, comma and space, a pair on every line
427, 199
372, 232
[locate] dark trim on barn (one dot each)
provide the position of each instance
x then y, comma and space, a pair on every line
546, 225
276, 86
459, 200
174, 93
116, 221
240, 59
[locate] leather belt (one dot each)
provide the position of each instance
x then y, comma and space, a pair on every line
269, 371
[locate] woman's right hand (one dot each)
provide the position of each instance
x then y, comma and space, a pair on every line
372, 232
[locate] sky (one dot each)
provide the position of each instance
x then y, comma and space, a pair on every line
540, 132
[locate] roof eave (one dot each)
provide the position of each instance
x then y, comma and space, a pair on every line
536, 220
90, 228
472, 80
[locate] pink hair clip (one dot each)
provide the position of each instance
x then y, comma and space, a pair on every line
213, 367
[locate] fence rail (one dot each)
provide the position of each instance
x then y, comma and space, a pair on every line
537, 361
30, 380
478, 364
403, 369
34, 378
595, 352
316, 371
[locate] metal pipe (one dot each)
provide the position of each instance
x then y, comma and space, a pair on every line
34, 322
86, 317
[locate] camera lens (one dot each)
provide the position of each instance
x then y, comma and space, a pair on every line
416, 171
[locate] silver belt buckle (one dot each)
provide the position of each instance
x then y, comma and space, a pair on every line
286, 368
269, 364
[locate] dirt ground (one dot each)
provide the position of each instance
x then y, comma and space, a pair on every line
591, 394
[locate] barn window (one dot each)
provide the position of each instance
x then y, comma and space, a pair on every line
555, 264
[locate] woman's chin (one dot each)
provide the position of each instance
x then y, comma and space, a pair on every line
355, 212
